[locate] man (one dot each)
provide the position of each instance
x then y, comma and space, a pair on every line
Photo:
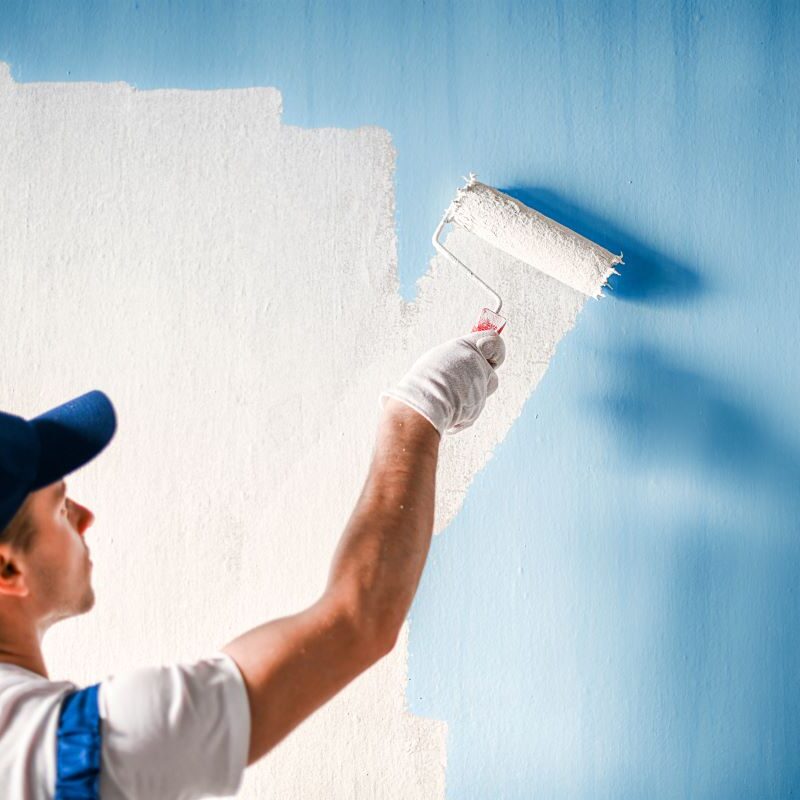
189, 730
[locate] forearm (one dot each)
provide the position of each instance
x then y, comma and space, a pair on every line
380, 557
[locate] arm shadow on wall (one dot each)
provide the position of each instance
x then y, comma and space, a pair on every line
668, 414
643, 660
724, 647
646, 276
641, 656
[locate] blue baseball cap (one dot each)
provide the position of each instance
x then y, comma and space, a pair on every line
37, 452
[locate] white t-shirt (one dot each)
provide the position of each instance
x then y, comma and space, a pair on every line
169, 733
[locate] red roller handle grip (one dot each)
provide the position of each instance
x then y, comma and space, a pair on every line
489, 321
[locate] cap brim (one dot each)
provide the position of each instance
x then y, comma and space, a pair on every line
72, 434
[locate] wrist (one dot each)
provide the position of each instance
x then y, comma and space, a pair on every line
399, 418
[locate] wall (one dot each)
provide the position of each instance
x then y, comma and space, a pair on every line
613, 610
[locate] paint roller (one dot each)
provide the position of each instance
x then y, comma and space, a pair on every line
529, 236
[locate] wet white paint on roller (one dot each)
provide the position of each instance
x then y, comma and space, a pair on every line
231, 283
528, 235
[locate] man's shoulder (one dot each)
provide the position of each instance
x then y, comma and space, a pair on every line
29, 709
21, 681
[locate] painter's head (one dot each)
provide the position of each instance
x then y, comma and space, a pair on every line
45, 569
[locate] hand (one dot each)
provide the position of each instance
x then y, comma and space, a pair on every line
449, 384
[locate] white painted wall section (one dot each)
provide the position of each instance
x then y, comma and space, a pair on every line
231, 283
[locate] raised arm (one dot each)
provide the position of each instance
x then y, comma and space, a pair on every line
293, 665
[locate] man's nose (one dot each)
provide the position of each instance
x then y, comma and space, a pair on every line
83, 516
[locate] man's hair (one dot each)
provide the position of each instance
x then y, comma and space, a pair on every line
20, 532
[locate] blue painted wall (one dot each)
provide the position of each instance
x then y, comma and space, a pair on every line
615, 612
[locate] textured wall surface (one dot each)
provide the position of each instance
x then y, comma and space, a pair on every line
230, 282
614, 610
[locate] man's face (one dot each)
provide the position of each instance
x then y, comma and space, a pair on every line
59, 571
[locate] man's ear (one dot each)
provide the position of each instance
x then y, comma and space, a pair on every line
12, 580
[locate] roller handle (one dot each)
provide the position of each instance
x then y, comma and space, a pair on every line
489, 320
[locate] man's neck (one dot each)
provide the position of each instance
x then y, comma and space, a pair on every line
36, 665
23, 650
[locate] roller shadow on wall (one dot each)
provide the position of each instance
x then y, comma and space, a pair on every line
647, 276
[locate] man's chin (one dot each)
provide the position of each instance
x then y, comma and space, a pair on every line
87, 601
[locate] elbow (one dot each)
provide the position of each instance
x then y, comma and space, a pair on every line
377, 637
385, 639
373, 634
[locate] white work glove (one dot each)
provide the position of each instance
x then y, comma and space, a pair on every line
449, 384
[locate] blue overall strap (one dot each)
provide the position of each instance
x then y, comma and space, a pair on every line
78, 746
